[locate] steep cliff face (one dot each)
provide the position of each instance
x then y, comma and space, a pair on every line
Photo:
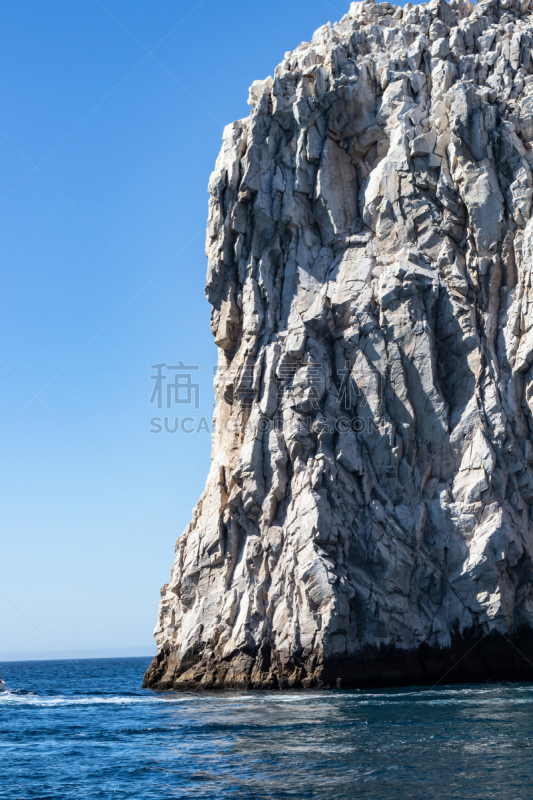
367, 513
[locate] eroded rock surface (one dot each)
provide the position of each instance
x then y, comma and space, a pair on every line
370, 247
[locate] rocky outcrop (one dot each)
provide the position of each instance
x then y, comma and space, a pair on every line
370, 242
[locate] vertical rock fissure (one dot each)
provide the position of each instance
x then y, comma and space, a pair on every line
366, 517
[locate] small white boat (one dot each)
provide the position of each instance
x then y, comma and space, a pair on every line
2, 685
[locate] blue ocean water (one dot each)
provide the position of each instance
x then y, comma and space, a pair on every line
85, 729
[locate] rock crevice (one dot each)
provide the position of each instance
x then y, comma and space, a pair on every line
370, 243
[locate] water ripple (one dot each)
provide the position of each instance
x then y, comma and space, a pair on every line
85, 729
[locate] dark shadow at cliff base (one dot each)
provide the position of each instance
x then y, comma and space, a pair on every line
471, 658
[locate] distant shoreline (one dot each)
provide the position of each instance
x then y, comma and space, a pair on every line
36, 658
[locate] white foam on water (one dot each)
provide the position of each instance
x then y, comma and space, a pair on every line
30, 699
513, 695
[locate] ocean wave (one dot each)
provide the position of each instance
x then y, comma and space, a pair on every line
29, 699
486, 695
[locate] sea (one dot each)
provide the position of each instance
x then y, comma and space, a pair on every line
85, 729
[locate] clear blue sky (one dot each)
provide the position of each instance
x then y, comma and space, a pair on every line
122, 145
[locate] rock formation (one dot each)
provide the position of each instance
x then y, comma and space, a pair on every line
366, 518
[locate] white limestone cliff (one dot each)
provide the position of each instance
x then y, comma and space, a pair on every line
370, 245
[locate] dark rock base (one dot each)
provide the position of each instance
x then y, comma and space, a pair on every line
470, 659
